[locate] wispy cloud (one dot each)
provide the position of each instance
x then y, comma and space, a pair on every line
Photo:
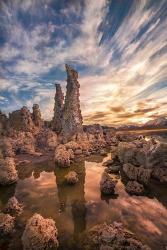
117, 69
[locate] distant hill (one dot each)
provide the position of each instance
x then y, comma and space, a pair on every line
160, 122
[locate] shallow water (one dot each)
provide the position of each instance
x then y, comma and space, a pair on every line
42, 189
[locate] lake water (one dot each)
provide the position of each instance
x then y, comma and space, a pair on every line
41, 188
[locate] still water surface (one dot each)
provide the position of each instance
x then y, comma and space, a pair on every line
41, 188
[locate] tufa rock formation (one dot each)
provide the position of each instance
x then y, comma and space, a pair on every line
58, 109
21, 120
36, 116
3, 123
111, 237
40, 234
6, 224
72, 118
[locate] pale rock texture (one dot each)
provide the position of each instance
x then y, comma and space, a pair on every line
107, 184
71, 178
8, 173
62, 156
40, 234
13, 207
6, 224
58, 109
111, 237
72, 118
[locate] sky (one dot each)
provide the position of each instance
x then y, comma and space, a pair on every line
118, 47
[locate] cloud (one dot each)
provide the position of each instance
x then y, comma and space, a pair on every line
117, 70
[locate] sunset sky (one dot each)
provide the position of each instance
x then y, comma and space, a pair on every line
119, 48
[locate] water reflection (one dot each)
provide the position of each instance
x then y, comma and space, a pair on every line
42, 189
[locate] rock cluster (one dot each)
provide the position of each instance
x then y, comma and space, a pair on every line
21, 120
8, 173
46, 139
133, 187
107, 184
111, 237
40, 234
62, 156
6, 224
139, 174
13, 207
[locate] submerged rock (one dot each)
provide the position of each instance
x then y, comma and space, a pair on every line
8, 173
107, 184
62, 156
133, 187
13, 207
40, 234
71, 177
111, 237
6, 224
137, 173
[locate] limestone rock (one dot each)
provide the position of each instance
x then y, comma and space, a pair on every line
72, 145
133, 187
72, 118
71, 153
58, 109
8, 173
13, 207
107, 184
36, 116
95, 136
71, 177
160, 173
6, 147
24, 143
47, 139
129, 152
157, 155
137, 173
3, 123
111, 236
62, 156
21, 120
6, 224
40, 234
107, 163
113, 169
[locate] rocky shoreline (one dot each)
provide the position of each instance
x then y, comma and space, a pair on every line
26, 138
